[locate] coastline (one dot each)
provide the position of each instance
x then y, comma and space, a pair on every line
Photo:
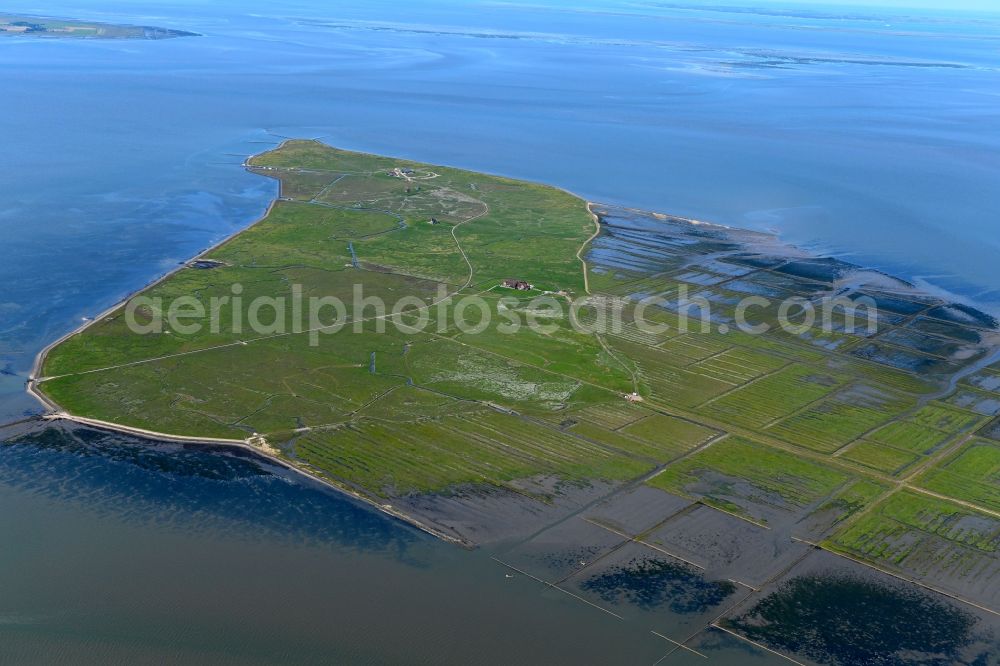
55, 412
36, 367
245, 445
586, 243
119, 31
34, 376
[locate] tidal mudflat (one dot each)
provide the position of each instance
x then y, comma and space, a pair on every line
52, 28
708, 113
156, 526
663, 475
833, 611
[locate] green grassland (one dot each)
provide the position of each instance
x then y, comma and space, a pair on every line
736, 470
33, 26
800, 422
918, 534
972, 473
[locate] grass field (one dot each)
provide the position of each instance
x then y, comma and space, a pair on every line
801, 422
736, 472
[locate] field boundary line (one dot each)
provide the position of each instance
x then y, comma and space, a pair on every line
898, 576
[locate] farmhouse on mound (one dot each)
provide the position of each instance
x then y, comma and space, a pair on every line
520, 285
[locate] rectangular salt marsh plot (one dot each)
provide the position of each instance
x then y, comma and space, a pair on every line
728, 547
721, 648
838, 508
637, 510
562, 550
957, 313
488, 515
898, 358
831, 610
948, 330
943, 545
980, 402
984, 380
611, 415
933, 345
702, 278
971, 474
668, 595
992, 430
785, 283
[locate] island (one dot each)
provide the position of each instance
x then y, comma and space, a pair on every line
37, 26
719, 471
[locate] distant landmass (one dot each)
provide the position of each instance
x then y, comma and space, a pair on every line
34, 26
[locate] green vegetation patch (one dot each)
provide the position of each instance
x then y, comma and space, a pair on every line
991, 430
659, 452
51, 28
390, 412
694, 347
664, 381
448, 367
774, 396
486, 448
986, 380
972, 474
944, 418
830, 424
668, 431
910, 436
738, 365
846, 502
612, 415
735, 471
974, 400
656, 437
919, 533
880, 457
